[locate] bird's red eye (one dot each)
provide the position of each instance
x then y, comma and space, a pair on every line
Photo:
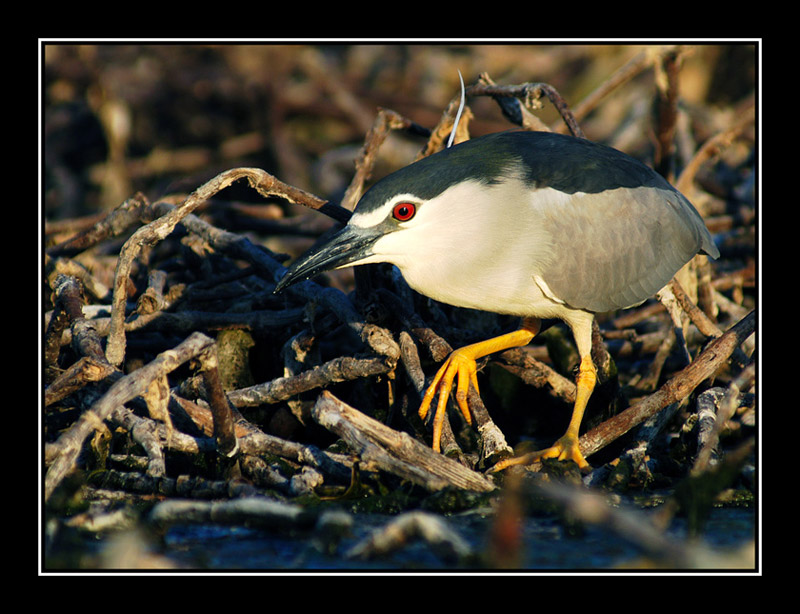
403, 212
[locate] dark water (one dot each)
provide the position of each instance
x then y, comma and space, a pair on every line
546, 546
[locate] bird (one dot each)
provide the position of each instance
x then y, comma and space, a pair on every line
533, 224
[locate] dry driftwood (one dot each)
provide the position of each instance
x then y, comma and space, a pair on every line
171, 280
70, 443
339, 369
407, 528
362, 432
492, 441
160, 228
253, 511
84, 371
529, 95
393, 451
678, 387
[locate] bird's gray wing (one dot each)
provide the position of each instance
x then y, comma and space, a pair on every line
615, 249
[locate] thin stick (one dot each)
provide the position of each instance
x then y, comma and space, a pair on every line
341, 369
125, 389
83, 372
385, 121
238, 246
633, 67
696, 315
712, 147
677, 388
157, 230
530, 93
394, 451
114, 223
68, 300
224, 434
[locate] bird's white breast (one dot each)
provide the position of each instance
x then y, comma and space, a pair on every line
476, 246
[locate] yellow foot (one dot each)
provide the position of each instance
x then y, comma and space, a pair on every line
459, 364
565, 448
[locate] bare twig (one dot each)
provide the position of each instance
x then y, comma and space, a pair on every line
727, 408
279, 389
408, 528
696, 315
253, 441
86, 370
238, 246
68, 299
667, 69
679, 387
224, 434
538, 374
146, 433
623, 75
513, 108
530, 94
94, 289
92, 366
227, 281
264, 183
712, 147
125, 389
493, 444
113, 224
393, 451
385, 121
438, 347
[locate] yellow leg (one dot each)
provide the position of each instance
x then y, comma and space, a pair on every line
566, 448
461, 364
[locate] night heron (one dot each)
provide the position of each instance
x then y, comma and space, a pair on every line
532, 224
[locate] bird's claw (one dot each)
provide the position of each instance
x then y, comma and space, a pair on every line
458, 365
566, 448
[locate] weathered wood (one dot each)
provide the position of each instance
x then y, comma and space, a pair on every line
125, 389
529, 95
493, 444
394, 451
339, 369
115, 222
238, 246
157, 230
224, 433
146, 434
255, 442
68, 299
427, 528
538, 374
252, 511
84, 371
365, 161
677, 388
214, 272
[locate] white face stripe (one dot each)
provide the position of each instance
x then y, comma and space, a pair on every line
376, 216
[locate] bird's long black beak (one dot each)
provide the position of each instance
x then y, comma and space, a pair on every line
348, 246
